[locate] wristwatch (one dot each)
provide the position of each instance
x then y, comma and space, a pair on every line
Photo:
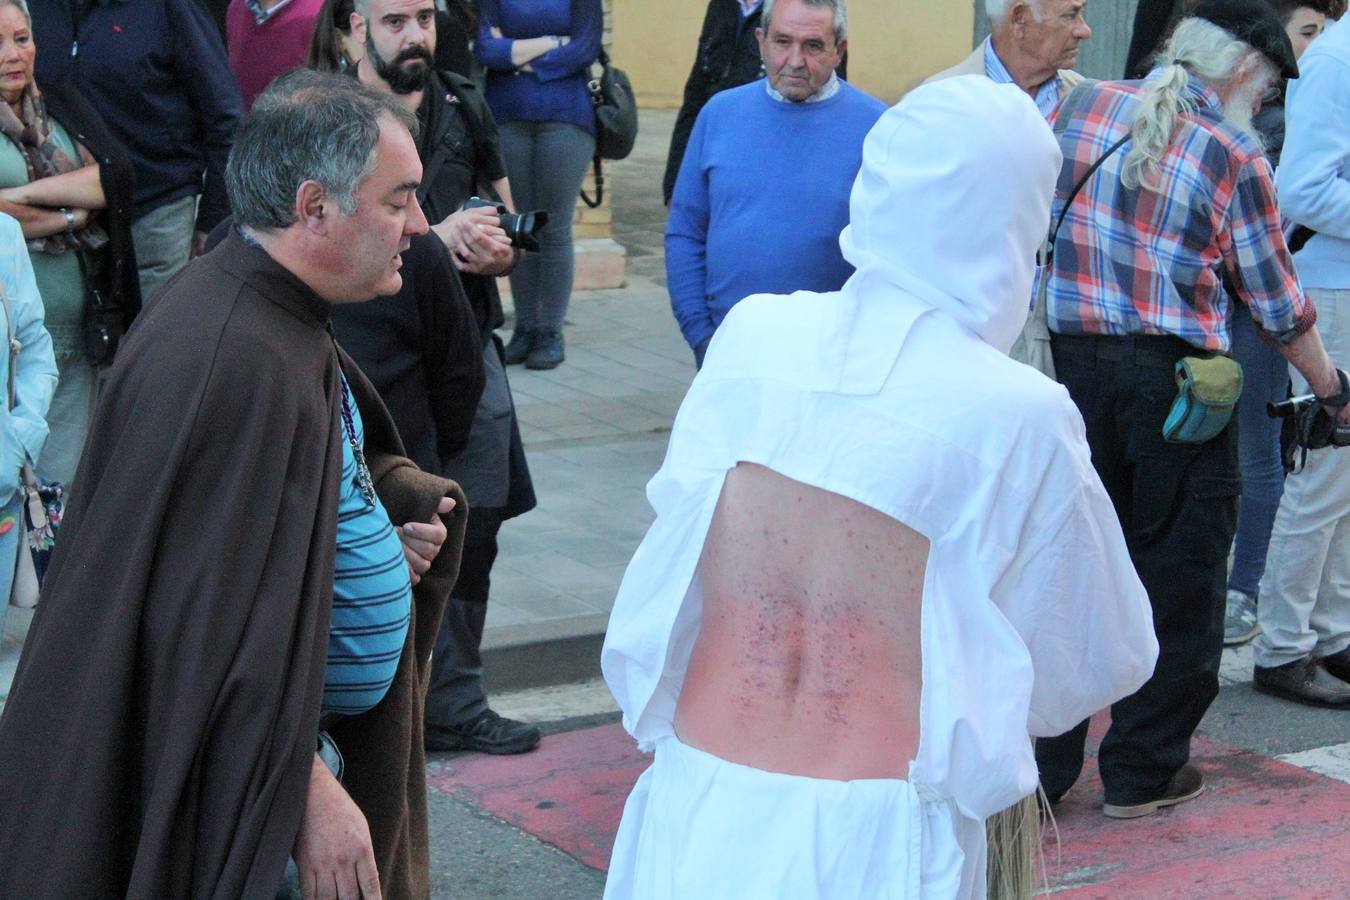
70, 218
557, 42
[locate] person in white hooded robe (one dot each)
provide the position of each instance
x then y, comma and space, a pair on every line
881, 557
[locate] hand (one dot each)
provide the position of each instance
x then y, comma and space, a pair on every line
332, 849
422, 541
198, 244
476, 241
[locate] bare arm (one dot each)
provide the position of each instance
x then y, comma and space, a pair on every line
1307, 354
80, 187
332, 848
40, 221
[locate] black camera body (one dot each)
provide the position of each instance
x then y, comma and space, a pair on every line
522, 228
1313, 429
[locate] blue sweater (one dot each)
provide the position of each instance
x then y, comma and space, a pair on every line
761, 198
1314, 173
556, 90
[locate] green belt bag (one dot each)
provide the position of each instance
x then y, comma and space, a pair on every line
1208, 388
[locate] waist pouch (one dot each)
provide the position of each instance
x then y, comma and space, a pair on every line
1208, 388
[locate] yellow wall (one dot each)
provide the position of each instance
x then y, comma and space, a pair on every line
893, 44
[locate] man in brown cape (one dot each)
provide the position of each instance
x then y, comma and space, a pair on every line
160, 737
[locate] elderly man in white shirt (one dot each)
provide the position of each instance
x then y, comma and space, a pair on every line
1032, 44
881, 558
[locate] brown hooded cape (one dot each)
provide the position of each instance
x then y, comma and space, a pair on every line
161, 726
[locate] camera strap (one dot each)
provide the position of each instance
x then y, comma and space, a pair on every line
1071, 104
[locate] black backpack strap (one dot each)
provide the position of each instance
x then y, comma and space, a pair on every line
1068, 109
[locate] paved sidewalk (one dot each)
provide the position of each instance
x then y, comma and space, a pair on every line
1263, 828
595, 431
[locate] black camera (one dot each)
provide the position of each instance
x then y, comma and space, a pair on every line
1312, 428
522, 228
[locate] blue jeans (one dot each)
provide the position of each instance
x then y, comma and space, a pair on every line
1265, 379
545, 162
10, 511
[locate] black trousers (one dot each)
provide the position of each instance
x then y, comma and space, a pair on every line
1177, 505
455, 695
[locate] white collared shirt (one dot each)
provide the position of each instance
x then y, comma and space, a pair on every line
827, 90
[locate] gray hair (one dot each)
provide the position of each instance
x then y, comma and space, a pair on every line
995, 10
840, 15
307, 126
21, 6
1197, 48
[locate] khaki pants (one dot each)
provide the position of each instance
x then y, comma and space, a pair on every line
163, 239
1305, 593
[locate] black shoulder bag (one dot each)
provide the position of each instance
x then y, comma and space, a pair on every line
616, 121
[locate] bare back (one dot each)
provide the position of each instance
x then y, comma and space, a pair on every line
808, 659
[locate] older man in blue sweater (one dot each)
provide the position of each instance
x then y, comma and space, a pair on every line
1303, 650
763, 191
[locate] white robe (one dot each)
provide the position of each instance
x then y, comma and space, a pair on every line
897, 392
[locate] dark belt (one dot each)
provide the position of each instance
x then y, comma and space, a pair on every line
1154, 350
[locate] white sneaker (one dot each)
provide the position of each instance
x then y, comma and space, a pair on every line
1239, 619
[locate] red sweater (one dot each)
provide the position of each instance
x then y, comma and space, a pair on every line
259, 53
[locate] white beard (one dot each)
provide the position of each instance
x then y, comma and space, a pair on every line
1242, 105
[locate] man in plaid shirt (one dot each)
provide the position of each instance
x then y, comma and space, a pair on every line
1153, 248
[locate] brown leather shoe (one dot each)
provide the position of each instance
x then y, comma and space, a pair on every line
1303, 681
1187, 784
1338, 664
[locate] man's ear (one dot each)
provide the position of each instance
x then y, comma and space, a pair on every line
357, 22
840, 49
1020, 14
313, 206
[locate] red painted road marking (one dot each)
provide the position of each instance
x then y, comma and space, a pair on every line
1261, 829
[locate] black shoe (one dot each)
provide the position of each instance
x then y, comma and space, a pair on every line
518, 348
1338, 664
1187, 784
1303, 681
488, 733
547, 351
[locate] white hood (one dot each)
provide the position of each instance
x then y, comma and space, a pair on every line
951, 204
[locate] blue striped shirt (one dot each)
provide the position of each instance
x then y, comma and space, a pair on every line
372, 597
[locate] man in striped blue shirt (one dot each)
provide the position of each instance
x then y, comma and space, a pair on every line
1032, 44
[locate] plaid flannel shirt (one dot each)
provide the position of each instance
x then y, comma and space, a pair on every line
1135, 261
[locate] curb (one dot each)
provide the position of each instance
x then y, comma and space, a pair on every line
540, 654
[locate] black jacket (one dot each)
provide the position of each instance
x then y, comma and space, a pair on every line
1153, 22
156, 72
116, 278
423, 352
461, 156
722, 62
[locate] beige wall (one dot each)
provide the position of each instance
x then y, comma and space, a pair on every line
893, 44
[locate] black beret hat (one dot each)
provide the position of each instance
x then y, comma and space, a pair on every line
1254, 22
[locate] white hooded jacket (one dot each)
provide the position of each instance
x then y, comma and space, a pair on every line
897, 392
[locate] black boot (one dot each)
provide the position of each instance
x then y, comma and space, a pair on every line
547, 351
518, 348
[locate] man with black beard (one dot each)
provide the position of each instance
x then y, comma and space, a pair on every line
461, 158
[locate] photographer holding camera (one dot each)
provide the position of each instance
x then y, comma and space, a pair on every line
461, 156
